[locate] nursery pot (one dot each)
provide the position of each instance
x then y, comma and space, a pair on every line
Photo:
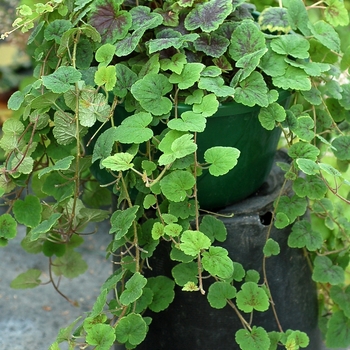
191, 323
233, 125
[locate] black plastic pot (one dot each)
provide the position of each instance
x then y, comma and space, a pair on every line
190, 323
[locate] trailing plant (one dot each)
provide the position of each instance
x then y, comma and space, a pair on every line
94, 59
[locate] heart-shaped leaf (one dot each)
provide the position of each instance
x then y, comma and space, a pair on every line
221, 159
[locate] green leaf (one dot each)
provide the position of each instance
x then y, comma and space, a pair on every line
99, 304
65, 129
62, 164
294, 78
16, 100
105, 54
56, 29
44, 226
303, 150
218, 294
175, 63
60, 81
208, 16
336, 13
342, 147
214, 228
251, 297
268, 116
308, 167
296, 340
28, 279
326, 34
189, 121
303, 235
281, 220
104, 144
127, 45
257, 339
292, 207
150, 91
304, 128
118, 162
341, 297
252, 91
274, 19
325, 272
208, 105
133, 289
255, 40
185, 272
338, 332
134, 129
298, 17
28, 211
70, 265
217, 262
193, 242
121, 221
176, 185
188, 77
221, 159
132, 329
291, 45
126, 78
163, 292
312, 186
101, 335
106, 76
216, 85
8, 226
271, 247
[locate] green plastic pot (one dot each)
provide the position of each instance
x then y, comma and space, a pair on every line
233, 125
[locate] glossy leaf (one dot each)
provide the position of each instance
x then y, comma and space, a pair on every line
218, 294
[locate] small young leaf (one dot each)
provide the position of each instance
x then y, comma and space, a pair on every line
106, 76
218, 294
271, 247
268, 116
296, 340
188, 76
104, 54
222, 159
28, 279
8, 226
193, 242
281, 220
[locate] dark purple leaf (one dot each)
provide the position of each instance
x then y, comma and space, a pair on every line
212, 44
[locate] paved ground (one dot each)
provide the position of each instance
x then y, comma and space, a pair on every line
31, 318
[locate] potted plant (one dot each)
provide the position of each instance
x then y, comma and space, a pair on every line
132, 89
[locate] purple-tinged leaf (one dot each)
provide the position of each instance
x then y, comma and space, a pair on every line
212, 44
143, 18
208, 16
